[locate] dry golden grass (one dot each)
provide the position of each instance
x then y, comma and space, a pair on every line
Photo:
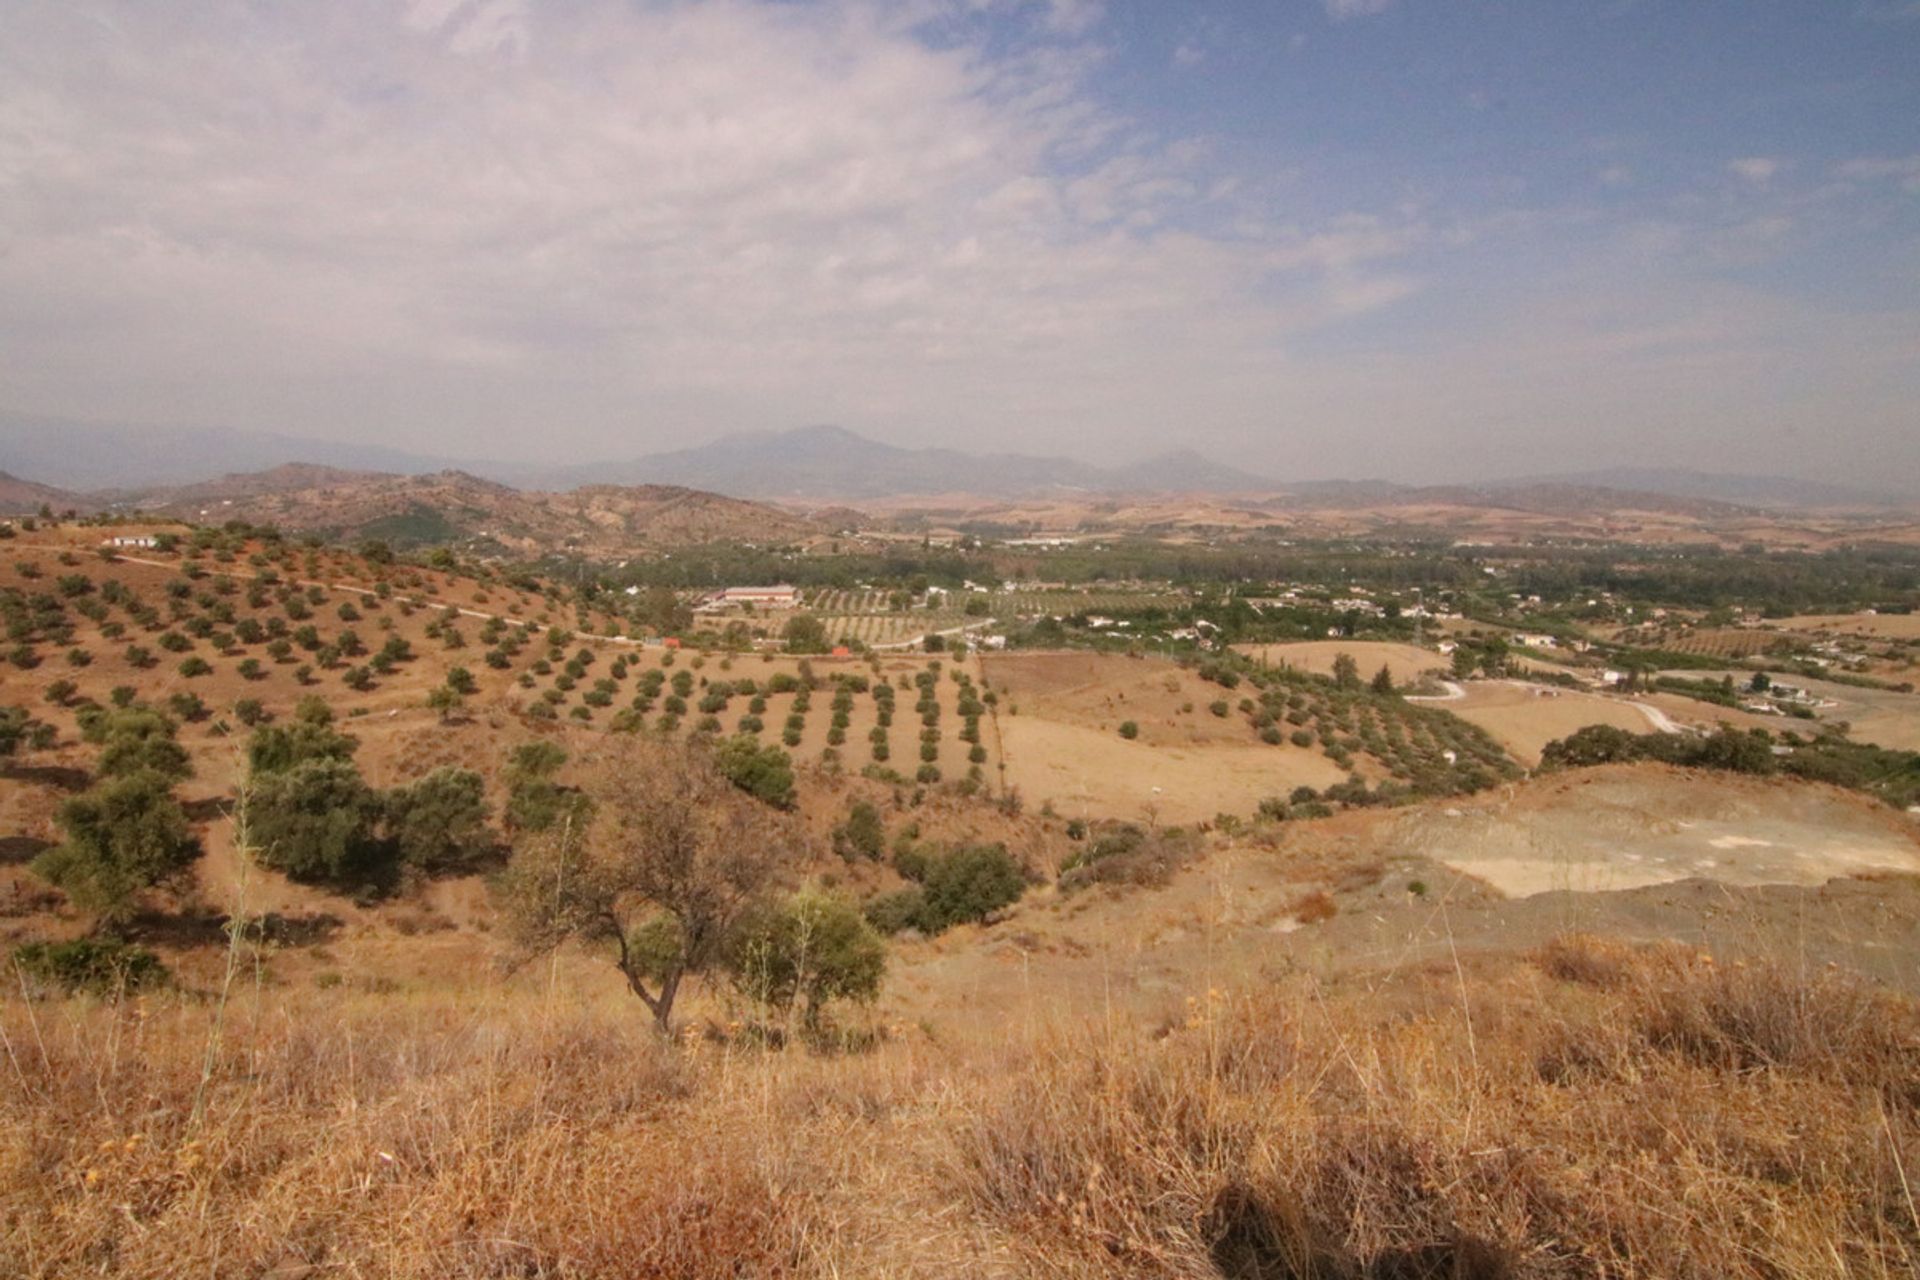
1590, 1111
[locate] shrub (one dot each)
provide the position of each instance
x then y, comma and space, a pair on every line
138, 739
968, 884
863, 834
766, 773
98, 966
1129, 730
891, 913
311, 736
1126, 854
809, 949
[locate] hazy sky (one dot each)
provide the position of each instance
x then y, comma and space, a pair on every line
1412, 238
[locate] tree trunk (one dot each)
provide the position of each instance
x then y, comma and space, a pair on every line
660, 1006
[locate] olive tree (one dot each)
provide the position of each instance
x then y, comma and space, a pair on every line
317, 821
439, 823
124, 835
805, 951
139, 739
669, 862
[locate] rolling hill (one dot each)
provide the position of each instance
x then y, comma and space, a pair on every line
19, 496
454, 506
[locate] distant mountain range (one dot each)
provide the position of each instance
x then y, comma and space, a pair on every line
819, 464
85, 456
1743, 490
831, 462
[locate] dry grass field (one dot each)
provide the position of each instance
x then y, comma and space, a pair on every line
1408, 663
1059, 719
1329, 1047
1579, 1109
1085, 772
1882, 626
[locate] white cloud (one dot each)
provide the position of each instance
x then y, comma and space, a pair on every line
601, 218
1755, 169
1901, 170
595, 228
1189, 55
1075, 17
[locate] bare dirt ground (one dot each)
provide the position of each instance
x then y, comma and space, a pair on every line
1629, 826
1524, 718
1407, 662
1363, 895
1059, 721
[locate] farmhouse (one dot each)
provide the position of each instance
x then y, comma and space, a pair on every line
781, 597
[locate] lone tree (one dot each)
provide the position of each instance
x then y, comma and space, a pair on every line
123, 836
659, 878
1383, 679
1346, 672
446, 700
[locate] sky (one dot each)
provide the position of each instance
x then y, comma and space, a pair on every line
1425, 240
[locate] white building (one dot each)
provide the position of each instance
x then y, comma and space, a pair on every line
781, 597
